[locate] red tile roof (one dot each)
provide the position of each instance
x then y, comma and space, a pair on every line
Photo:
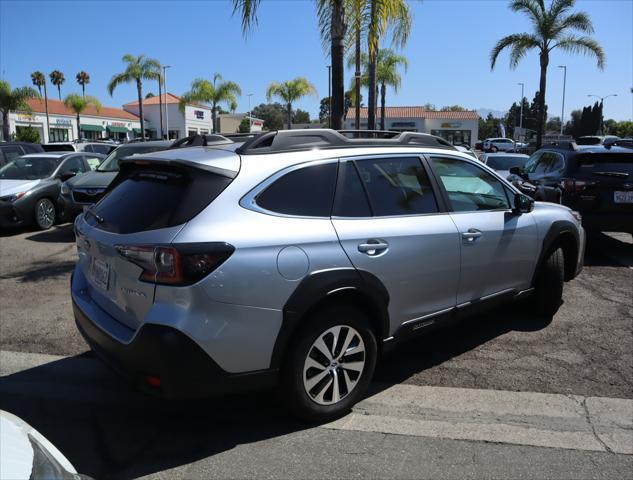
416, 112
170, 98
57, 107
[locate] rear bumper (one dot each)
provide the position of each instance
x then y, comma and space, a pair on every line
12, 215
162, 352
68, 210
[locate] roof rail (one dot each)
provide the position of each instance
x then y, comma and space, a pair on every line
200, 141
324, 138
562, 144
369, 133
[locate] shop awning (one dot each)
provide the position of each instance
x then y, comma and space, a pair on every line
117, 129
91, 128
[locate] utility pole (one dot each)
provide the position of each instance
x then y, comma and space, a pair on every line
602, 99
165, 67
250, 120
521, 114
562, 114
329, 94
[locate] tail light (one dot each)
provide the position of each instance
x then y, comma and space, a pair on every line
576, 186
182, 265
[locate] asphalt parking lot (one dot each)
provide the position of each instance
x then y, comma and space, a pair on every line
110, 431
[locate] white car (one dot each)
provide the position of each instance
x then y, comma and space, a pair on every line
501, 145
503, 162
26, 453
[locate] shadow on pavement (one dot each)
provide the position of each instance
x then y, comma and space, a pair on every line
59, 234
608, 251
41, 270
108, 430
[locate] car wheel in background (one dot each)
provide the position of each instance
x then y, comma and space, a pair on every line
548, 286
330, 364
494, 149
44, 214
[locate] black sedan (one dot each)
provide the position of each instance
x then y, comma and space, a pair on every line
30, 185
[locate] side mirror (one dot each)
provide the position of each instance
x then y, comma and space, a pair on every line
515, 170
66, 175
523, 203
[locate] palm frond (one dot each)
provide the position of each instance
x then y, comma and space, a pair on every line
247, 10
520, 41
576, 21
583, 45
117, 80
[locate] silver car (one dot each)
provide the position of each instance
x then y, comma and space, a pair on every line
297, 258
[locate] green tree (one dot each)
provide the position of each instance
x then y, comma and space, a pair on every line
57, 79
290, 91
12, 100
553, 125
213, 92
300, 116
78, 103
39, 80
624, 129
83, 79
245, 126
271, 113
488, 127
552, 28
453, 108
27, 134
137, 69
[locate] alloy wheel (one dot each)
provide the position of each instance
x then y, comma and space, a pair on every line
334, 365
45, 213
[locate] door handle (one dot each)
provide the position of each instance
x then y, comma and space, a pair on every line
373, 247
471, 235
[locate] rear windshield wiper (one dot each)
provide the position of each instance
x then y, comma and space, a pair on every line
612, 174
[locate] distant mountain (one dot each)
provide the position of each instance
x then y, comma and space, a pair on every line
483, 112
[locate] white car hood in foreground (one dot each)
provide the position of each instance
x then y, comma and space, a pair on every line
16, 450
11, 187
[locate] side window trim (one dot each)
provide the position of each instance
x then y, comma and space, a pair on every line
445, 193
249, 201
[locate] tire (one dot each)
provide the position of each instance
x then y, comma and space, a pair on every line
45, 214
548, 286
494, 149
308, 382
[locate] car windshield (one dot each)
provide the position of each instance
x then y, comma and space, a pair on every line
111, 163
588, 141
29, 168
506, 162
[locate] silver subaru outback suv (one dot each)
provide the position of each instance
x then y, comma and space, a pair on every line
297, 258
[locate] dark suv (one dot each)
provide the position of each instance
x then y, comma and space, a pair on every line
595, 181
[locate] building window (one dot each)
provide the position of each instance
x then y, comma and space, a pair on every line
204, 131
58, 135
454, 136
192, 131
174, 134
90, 135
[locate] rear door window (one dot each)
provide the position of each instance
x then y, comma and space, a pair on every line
397, 186
74, 164
151, 197
351, 197
306, 192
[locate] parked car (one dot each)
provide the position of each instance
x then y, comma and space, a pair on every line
11, 150
96, 147
27, 454
596, 181
298, 257
503, 162
30, 185
78, 192
479, 145
593, 140
501, 145
467, 150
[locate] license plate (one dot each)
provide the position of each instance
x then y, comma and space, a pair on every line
623, 197
100, 273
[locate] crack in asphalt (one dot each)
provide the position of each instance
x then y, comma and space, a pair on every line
592, 426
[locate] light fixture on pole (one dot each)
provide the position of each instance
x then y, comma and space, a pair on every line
329, 94
602, 99
165, 67
562, 113
250, 120
521, 114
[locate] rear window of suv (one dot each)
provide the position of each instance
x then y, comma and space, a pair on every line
153, 197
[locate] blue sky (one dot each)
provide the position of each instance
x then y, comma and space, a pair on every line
448, 50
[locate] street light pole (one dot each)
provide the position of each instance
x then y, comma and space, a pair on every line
562, 114
250, 120
329, 94
165, 67
602, 99
521, 115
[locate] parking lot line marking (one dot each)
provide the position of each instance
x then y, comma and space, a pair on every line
521, 418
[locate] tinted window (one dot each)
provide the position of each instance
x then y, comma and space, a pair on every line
470, 188
397, 186
147, 198
88, 148
74, 164
105, 149
505, 162
546, 162
111, 162
9, 153
351, 199
29, 168
307, 191
93, 162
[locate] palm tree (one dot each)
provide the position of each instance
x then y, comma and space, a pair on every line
78, 104
358, 14
138, 69
214, 92
83, 79
384, 16
39, 80
13, 100
57, 79
552, 28
331, 15
290, 91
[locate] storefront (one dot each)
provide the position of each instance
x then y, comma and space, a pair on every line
91, 132
455, 127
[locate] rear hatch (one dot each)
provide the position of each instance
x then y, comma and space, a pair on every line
144, 208
603, 182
